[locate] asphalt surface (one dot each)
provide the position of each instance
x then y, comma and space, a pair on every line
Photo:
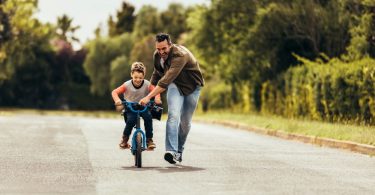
78, 155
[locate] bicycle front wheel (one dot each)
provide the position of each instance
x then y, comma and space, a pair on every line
138, 152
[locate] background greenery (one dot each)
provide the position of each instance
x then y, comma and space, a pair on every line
308, 59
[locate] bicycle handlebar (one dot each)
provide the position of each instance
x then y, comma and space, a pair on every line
139, 108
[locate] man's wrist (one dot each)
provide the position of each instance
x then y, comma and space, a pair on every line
118, 103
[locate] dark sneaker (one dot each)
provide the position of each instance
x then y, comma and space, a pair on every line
172, 157
180, 157
150, 144
124, 142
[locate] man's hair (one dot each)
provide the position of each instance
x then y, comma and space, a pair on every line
138, 67
160, 37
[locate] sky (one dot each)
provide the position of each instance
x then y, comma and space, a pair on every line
89, 14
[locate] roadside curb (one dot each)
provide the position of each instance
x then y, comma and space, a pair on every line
326, 142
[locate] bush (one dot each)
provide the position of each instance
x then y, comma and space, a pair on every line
333, 91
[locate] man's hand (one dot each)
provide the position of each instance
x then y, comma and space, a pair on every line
158, 101
144, 101
119, 106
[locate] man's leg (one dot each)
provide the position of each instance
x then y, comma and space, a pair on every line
188, 108
175, 101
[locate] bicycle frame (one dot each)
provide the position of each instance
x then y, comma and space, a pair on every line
138, 129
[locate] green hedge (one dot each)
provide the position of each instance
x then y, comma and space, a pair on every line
333, 91
215, 95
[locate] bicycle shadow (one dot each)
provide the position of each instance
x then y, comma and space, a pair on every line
168, 169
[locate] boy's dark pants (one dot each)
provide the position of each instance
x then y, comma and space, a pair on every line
131, 120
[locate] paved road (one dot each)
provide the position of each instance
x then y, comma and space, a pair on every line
76, 155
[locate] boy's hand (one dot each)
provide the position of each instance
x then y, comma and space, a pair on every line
119, 106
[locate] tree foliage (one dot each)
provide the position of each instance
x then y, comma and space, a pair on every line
173, 20
124, 21
143, 52
5, 27
99, 58
65, 29
147, 22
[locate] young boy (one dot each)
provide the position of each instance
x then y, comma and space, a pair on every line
134, 90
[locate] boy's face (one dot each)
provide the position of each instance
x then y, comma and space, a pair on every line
137, 78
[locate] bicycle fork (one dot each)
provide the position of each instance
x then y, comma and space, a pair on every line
136, 132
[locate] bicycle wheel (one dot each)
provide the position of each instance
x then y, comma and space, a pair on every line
138, 152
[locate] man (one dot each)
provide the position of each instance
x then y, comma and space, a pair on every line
175, 69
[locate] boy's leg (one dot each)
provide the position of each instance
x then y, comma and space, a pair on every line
147, 118
130, 123
189, 106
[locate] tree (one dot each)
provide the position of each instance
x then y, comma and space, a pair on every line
25, 33
27, 57
124, 20
65, 29
361, 16
148, 22
5, 27
119, 71
101, 54
143, 52
174, 20
248, 42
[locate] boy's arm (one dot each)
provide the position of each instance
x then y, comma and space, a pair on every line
116, 92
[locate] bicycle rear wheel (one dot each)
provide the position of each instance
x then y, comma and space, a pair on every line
138, 152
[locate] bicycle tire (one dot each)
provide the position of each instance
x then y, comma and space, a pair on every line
138, 152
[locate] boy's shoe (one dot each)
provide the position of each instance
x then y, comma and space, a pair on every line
150, 144
172, 157
124, 142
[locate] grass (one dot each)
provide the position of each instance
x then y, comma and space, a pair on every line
355, 133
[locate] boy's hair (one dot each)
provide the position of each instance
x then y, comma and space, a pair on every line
163, 36
138, 67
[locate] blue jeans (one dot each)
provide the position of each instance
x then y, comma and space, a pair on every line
180, 113
131, 121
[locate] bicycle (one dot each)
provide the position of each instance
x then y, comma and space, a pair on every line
139, 137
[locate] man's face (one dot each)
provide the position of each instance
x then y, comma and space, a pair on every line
163, 49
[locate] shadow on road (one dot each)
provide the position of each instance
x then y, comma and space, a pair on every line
168, 169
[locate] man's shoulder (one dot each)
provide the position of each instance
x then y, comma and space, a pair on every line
179, 51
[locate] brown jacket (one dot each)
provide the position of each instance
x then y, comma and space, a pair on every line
181, 68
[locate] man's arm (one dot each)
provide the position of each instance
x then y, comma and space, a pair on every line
157, 90
177, 65
157, 97
155, 77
